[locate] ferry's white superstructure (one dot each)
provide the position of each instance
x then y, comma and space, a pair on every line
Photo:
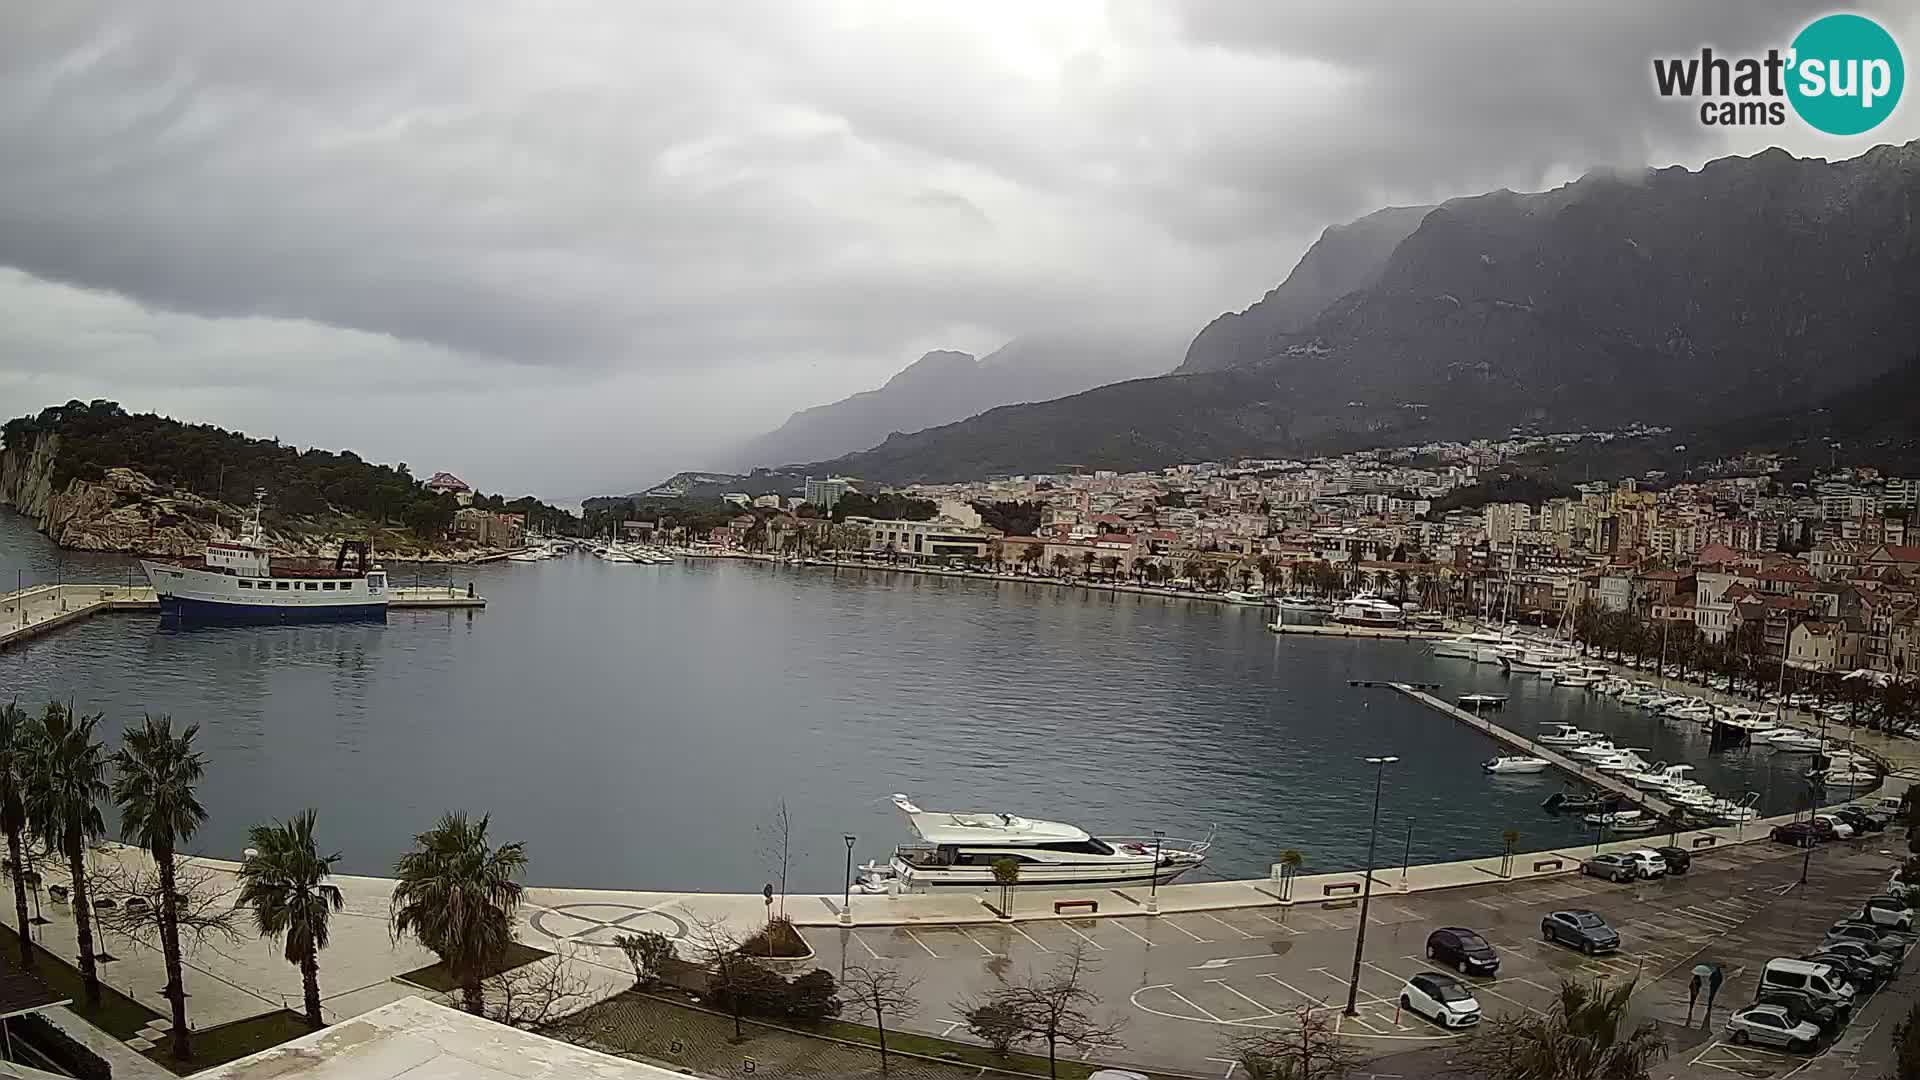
238, 584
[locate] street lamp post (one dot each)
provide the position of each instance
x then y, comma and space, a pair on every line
846, 888
1153, 881
1366, 889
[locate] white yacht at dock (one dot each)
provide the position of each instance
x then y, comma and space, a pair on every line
1366, 609
960, 849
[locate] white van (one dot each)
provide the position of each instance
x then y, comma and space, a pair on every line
1819, 982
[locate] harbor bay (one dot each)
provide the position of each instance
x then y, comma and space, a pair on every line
639, 725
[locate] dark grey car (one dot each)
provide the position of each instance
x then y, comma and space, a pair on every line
1580, 928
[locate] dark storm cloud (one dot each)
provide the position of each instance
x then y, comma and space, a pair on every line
651, 199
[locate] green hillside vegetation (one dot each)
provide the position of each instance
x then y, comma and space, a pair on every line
228, 466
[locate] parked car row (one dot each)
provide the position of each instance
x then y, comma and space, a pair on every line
1640, 864
1844, 823
1804, 1001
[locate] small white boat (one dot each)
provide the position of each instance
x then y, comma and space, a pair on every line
1623, 763
1848, 778
1366, 609
1477, 702
1594, 750
1503, 765
1564, 735
959, 849
1789, 741
1237, 596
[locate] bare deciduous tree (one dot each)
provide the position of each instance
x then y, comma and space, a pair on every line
204, 906
882, 992
1311, 1049
731, 976
777, 834
1055, 1009
547, 996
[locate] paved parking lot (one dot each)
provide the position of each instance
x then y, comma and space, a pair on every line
1187, 983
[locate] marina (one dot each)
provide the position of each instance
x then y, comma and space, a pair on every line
599, 702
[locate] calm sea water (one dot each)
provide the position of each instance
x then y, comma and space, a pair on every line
637, 725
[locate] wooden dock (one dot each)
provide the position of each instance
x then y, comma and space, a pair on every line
29, 613
1584, 773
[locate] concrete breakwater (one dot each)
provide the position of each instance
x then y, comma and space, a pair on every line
30, 613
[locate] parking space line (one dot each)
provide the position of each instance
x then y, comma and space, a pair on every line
1228, 925
1189, 1003
1083, 937
922, 944
1267, 1009
1365, 995
976, 941
1123, 926
864, 945
1484, 904
1281, 923
1344, 1018
1030, 938
1318, 1001
1189, 933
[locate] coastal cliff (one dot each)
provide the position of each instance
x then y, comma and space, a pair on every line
83, 502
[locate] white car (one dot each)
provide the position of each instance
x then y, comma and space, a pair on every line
1770, 1025
1441, 998
1650, 862
1841, 830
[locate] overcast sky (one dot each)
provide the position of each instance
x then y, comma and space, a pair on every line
574, 247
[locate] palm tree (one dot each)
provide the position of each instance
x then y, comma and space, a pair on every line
1060, 563
1581, 1035
64, 789
457, 896
1086, 563
15, 725
285, 885
1031, 554
156, 770
1266, 565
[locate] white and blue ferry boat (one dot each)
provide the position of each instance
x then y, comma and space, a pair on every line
239, 583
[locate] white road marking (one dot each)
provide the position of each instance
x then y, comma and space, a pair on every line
1084, 937
1228, 925
922, 944
1267, 1009
1223, 961
976, 941
1123, 926
1189, 933
1484, 904
1189, 1004
1016, 929
864, 945
1231, 1063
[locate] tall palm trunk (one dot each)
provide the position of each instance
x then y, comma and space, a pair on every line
82, 917
310, 981
472, 996
170, 949
20, 898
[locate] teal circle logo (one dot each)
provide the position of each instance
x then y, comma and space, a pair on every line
1846, 74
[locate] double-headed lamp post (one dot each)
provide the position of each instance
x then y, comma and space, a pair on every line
846, 888
1366, 890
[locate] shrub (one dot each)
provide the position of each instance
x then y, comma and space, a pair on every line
778, 939
648, 951
996, 1024
813, 997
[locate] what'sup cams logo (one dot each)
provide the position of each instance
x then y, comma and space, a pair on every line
1842, 75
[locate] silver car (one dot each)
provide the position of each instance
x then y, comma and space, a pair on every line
1770, 1025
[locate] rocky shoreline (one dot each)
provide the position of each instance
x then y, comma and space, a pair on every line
125, 512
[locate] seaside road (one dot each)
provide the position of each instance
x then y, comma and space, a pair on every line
1185, 984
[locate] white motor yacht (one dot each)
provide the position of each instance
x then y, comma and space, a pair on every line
1793, 741
1671, 778
1470, 646
1533, 660
1848, 778
1504, 764
1366, 609
1564, 735
960, 849
1624, 762
1593, 751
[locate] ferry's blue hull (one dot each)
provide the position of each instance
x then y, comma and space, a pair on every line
204, 611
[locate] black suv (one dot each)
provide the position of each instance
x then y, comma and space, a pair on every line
1678, 859
1463, 949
